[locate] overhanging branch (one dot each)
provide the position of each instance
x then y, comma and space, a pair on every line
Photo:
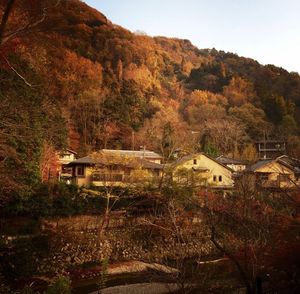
5, 38
15, 71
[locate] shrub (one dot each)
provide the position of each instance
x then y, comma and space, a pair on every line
62, 285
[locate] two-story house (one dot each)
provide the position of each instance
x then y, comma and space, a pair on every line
202, 170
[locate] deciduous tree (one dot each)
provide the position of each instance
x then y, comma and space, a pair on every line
239, 91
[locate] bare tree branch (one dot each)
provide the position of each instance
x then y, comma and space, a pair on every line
5, 38
15, 71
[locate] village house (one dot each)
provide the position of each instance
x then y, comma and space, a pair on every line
202, 170
64, 158
117, 168
236, 165
279, 173
54, 164
292, 162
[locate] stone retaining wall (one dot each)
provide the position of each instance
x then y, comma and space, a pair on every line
75, 241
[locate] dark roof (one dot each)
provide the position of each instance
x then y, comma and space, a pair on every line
133, 153
151, 165
228, 160
284, 160
293, 163
90, 160
84, 160
193, 156
258, 165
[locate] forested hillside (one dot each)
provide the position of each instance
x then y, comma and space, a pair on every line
75, 79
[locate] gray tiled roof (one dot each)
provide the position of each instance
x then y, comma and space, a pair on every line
90, 160
293, 163
262, 163
258, 165
151, 165
134, 153
227, 160
84, 160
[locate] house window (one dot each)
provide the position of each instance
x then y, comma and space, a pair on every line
264, 176
66, 170
220, 178
80, 171
215, 178
283, 178
195, 161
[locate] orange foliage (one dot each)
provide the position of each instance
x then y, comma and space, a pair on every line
75, 74
49, 165
239, 91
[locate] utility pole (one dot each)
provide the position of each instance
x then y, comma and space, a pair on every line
265, 145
